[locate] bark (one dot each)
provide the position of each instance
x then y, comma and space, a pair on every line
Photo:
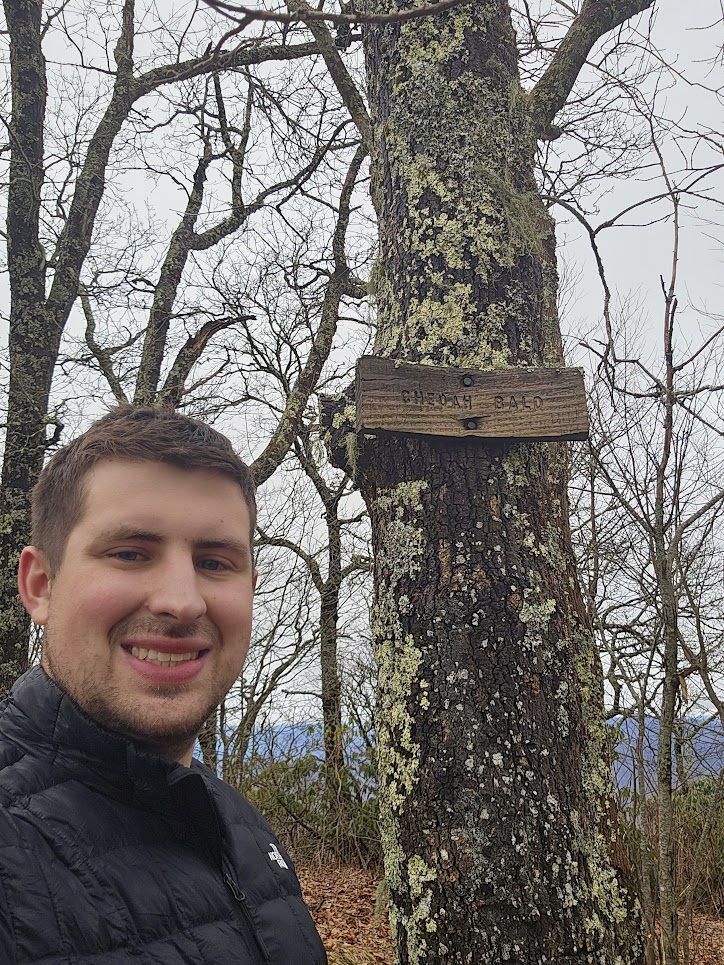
209, 741
329, 662
645, 862
500, 838
330, 592
491, 753
33, 335
668, 898
663, 567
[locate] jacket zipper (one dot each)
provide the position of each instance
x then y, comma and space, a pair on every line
240, 898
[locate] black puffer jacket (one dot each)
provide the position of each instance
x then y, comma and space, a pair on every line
112, 856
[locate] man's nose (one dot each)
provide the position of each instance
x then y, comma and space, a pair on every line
175, 590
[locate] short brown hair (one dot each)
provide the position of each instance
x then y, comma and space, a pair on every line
143, 433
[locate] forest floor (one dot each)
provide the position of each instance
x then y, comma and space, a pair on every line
343, 903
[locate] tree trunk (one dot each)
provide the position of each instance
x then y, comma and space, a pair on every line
643, 836
209, 741
495, 806
663, 568
32, 342
668, 898
328, 632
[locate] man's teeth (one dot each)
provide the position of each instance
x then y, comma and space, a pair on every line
163, 659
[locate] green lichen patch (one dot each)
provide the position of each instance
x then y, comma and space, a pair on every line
346, 421
457, 147
399, 657
419, 923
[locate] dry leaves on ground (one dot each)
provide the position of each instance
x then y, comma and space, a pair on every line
342, 902
343, 899
707, 941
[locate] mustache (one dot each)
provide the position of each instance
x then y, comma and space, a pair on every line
157, 627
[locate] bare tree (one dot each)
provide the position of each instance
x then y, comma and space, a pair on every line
160, 313
657, 470
652, 496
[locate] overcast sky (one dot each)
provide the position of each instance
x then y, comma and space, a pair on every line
689, 38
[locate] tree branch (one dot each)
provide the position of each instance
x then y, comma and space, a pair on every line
314, 571
101, 355
290, 421
123, 54
189, 353
247, 15
346, 87
154, 345
596, 19
241, 56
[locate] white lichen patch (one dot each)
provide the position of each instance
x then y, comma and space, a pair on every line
535, 612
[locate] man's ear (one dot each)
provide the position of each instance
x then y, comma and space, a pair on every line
34, 583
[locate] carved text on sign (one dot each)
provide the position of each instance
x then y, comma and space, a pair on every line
519, 402
436, 400
515, 403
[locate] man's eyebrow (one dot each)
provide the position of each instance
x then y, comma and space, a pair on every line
128, 532
235, 545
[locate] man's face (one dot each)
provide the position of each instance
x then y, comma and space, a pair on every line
147, 620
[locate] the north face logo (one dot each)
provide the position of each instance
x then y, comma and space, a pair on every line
275, 855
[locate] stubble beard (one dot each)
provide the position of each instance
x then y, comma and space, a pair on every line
109, 706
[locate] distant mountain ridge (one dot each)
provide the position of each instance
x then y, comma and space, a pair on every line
702, 747
702, 750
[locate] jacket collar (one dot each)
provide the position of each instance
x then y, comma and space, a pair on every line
44, 722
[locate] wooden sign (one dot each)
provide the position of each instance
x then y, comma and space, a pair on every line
537, 405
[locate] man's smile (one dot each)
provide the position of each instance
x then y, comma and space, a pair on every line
163, 659
167, 663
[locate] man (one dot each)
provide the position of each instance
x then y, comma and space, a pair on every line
116, 847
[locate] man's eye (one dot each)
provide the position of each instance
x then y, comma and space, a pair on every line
129, 556
212, 565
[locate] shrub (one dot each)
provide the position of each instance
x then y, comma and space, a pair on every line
699, 823
320, 815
